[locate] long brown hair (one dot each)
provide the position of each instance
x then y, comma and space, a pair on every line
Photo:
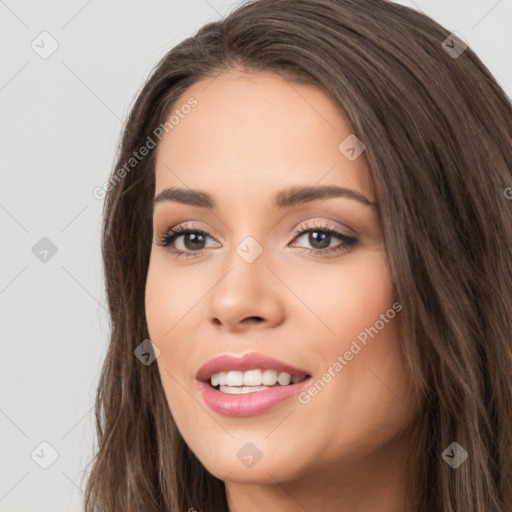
438, 135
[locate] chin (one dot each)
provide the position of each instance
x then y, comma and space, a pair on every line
261, 473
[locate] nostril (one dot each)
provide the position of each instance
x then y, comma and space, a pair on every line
256, 319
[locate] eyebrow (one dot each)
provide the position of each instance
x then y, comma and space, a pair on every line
289, 197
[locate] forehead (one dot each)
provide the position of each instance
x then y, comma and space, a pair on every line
256, 131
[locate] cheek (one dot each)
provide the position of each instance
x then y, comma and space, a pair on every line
360, 391
346, 299
163, 310
170, 297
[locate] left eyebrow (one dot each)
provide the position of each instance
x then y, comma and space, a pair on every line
297, 195
283, 199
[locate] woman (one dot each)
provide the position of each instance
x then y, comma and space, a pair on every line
309, 220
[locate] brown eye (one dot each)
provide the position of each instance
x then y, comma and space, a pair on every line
184, 241
192, 241
320, 238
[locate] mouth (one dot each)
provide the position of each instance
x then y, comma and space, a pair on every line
252, 381
248, 385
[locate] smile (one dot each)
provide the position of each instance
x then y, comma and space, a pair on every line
248, 385
236, 382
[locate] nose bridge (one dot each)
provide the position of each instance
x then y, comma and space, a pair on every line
246, 288
249, 243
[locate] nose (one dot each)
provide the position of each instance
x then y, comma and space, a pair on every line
247, 296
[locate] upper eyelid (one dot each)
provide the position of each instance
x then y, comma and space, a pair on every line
300, 230
189, 225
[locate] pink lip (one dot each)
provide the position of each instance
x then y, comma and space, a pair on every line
248, 404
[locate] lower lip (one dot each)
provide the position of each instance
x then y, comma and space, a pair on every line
248, 404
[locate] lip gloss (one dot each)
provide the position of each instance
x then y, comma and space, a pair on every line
248, 404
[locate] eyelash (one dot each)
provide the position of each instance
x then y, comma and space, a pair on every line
168, 238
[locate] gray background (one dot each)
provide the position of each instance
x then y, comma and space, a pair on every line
61, 120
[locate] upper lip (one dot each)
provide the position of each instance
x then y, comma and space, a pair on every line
252, 361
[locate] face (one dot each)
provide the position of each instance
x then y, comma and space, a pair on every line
290, 283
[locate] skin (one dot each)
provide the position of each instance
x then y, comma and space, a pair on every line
250, 136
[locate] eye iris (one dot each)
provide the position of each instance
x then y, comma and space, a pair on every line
319, 238
192, 239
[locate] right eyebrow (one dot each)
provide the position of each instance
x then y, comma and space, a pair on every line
186, 196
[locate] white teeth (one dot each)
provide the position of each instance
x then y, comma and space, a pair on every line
241, 390
219, 379
269, 377
234, 378
215, 379
284, 378
253, 379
